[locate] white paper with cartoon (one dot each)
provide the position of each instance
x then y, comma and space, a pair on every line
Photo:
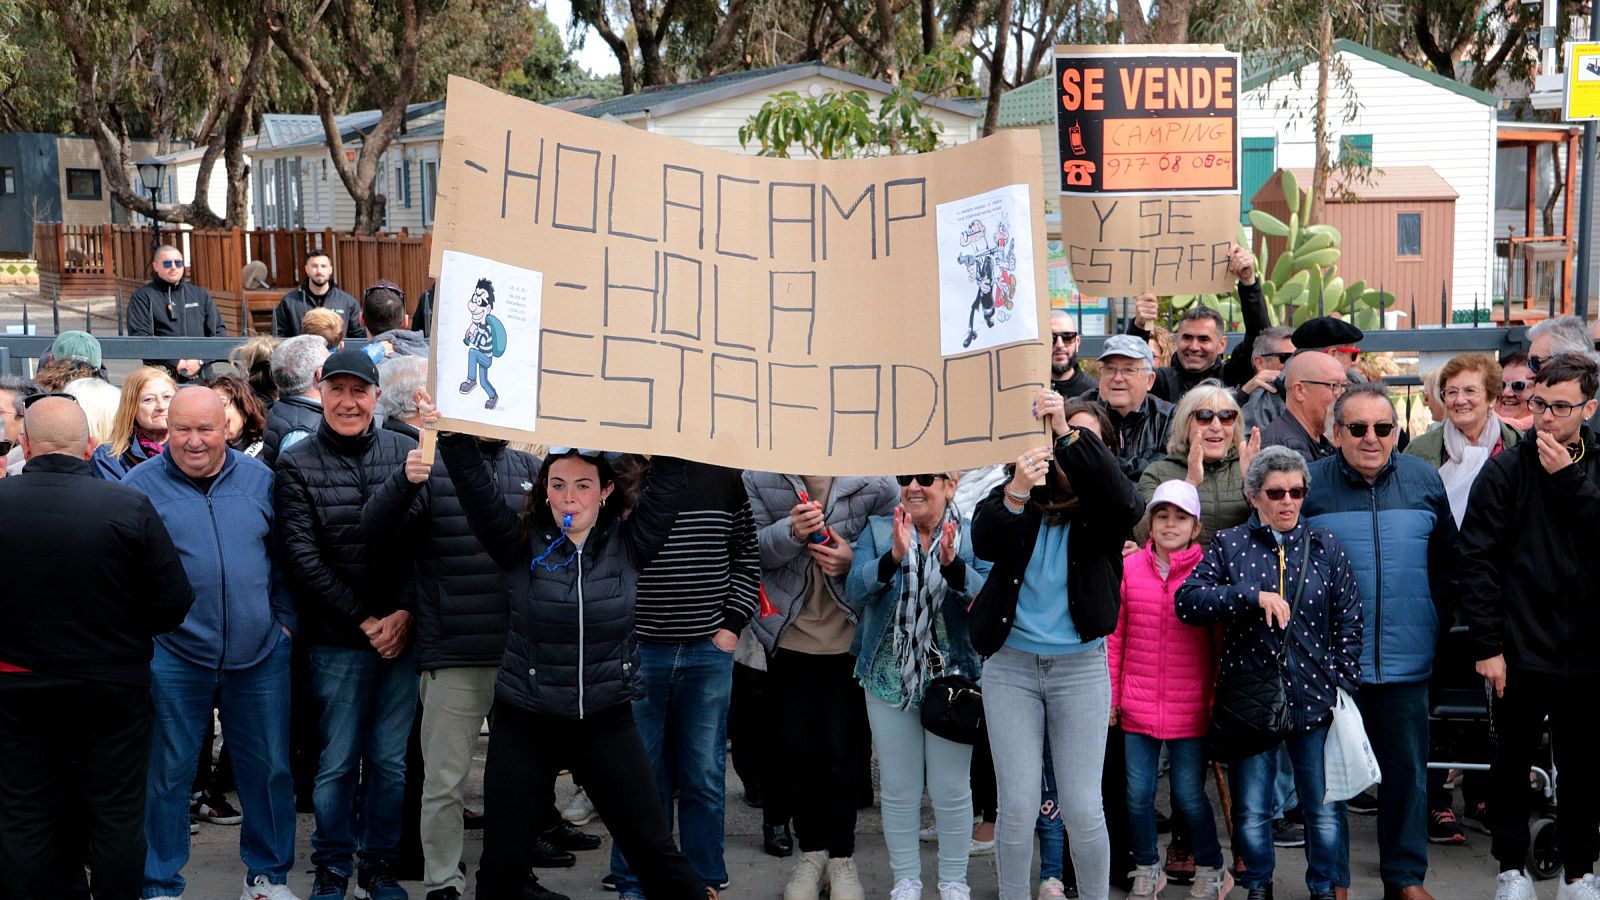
488, 341
986, 286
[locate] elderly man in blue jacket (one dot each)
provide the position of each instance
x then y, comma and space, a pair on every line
1392, 517
234, 644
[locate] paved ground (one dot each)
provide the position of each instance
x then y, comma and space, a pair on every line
1457, 872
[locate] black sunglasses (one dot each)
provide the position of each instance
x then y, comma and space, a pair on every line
1065, 337
1276, 494
1358, 430
1223, 415
925, 479
172, 264
1282, 358
28, 402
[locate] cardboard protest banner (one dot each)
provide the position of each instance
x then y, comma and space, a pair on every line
601, 286
1149, 166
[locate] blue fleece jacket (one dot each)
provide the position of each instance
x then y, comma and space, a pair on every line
224, 538
1400, 537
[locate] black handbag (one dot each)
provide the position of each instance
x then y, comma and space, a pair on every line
952, 705
1250, 713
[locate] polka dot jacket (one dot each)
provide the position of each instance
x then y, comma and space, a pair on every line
1324, 649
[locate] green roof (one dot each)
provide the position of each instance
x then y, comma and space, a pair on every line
1033, 103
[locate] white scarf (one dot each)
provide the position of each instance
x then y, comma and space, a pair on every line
1463, 460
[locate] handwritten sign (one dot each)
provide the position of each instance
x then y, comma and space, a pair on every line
779, 315
1149, 166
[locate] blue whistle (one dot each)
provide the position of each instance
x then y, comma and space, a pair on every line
566, 520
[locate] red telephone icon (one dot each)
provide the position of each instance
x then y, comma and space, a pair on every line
1077, 172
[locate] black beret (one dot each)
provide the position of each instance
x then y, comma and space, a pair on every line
1324, 332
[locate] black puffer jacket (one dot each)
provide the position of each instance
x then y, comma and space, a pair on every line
1141, 434
286, 415
1107, 510
570, 651
291, 311
461, 591
322, 485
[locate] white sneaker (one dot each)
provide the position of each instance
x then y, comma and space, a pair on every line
1052, 889
954, 890
261, 889
928, 835
844, 882
1210, 884
906, 889
1147, 883
805, 882
1514, 885
1585, 888
580, 811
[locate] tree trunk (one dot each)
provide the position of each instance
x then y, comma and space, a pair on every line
1002, 31
930, 28
1319, 177
1135, 30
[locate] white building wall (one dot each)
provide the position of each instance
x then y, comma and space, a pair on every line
1412, 123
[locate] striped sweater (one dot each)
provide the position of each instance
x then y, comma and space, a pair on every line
708, 573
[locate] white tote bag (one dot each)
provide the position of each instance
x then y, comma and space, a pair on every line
1347, 758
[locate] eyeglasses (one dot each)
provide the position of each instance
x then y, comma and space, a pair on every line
553, 452
1358, 430
1276, 494
1467, 393
1063, 337
1204, 416
1534, 362
1121, 372
1517, 387
1560, 409
172, 264
28, 402
925, 479
1337, 387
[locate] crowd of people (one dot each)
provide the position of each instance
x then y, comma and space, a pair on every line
265, 544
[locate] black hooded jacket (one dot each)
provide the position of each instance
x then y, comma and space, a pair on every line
184, 309
293, 307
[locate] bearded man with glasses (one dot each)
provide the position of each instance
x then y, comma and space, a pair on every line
1392, 517
1527, 586
1066, 378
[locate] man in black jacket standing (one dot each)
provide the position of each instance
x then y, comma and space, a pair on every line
75, 648
170, 307
1527, 587
317, 291
354, 603
1201, 335
1065, 377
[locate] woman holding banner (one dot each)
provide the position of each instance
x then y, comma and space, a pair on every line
571, 668
1054, 532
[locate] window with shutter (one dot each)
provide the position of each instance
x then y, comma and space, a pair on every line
1259, 160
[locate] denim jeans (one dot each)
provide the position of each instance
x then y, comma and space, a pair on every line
683, 721
366, 705
478, 363
1024, 697
911, 750
1187, 772
255, 723
1052, 832
1327, 865
1396, 719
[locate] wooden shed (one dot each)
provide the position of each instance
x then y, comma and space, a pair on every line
1398, 233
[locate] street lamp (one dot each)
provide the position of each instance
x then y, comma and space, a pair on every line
151, 170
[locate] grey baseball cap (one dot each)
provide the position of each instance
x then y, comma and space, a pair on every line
1129, 346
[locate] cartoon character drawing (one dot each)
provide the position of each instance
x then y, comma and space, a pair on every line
993, 271
485, 340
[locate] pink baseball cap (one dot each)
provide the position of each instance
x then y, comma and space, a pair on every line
1177, 493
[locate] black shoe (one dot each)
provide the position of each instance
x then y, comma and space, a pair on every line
546, 855
565, 837
1324, 895
1260, 893
609, 883
377, 881
471, 821
533, 890
752, 796
445, 893
1362, 804
329, 883
1286, 833
776, 840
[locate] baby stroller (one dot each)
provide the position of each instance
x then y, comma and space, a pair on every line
1460, 719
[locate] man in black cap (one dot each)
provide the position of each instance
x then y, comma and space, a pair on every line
75, 647
354, 600
1201, 335
1323, 334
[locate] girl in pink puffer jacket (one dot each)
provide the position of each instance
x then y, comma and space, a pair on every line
1163, 675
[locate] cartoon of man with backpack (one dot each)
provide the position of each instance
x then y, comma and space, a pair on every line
485, 340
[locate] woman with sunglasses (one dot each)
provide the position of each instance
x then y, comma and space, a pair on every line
1054, 532
1283, 591
1206, 448
910, 583
564, 693
1516, 382
140, 431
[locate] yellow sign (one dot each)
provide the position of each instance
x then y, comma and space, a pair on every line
1582, 99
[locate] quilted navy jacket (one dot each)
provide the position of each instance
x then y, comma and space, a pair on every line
1324, 648
1400, 537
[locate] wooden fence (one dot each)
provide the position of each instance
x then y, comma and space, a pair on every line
77, 261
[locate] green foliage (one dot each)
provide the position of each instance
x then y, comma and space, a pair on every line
549, 72
842, 125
